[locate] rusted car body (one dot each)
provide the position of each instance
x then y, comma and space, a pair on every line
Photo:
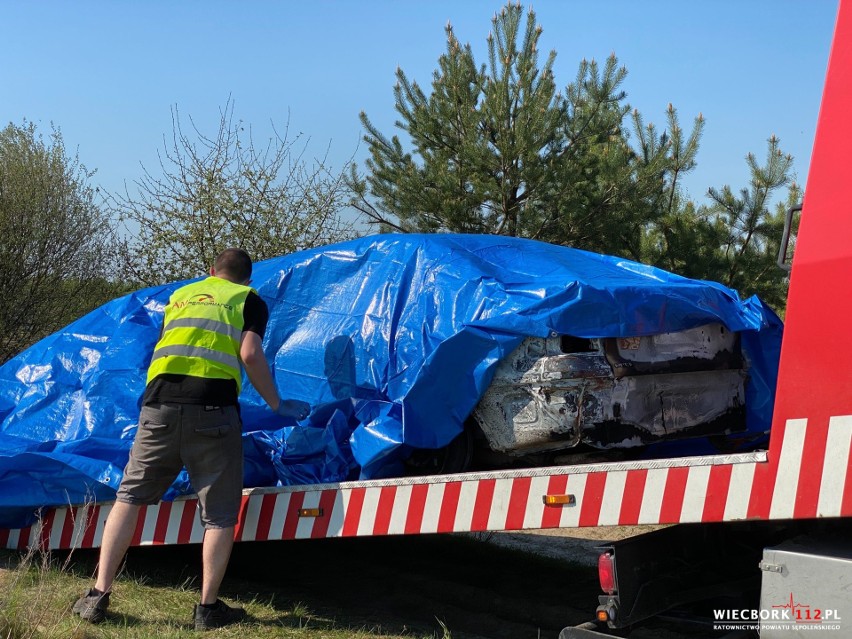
562, 392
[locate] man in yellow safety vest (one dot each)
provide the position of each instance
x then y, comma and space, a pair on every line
190, 417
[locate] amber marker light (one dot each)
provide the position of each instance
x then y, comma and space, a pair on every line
559, 500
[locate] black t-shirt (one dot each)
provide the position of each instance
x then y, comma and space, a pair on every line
186, 389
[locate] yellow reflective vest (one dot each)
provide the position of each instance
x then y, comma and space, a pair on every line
202, 328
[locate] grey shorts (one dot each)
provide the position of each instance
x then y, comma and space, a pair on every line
205, 439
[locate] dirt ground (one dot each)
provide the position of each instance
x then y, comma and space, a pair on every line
577, 545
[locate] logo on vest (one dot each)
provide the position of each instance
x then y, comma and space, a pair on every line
201, 299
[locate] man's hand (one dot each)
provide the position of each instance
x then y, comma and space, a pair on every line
293, 408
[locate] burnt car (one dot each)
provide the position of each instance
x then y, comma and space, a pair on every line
560, 392
559, 398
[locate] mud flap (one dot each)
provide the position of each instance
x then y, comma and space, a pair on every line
588, 630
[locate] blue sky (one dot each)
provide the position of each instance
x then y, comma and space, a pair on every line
108, 73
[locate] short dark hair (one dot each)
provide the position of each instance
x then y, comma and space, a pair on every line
234, 263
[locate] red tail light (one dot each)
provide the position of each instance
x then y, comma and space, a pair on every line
606, 573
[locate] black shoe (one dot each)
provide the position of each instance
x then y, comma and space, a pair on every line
216, 617
92, 606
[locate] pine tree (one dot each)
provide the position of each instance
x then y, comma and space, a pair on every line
497, 149
736, 238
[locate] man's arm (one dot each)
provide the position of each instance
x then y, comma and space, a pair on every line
257, 368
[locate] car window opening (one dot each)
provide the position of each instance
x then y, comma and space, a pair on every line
572, 344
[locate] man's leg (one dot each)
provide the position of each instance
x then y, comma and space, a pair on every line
216, 551
153, 464
213, 454
118, 533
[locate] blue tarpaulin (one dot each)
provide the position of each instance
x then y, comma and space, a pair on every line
391, 338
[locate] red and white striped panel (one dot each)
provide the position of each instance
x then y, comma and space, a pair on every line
808, 479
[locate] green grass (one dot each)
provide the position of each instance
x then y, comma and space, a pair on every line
36, 593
